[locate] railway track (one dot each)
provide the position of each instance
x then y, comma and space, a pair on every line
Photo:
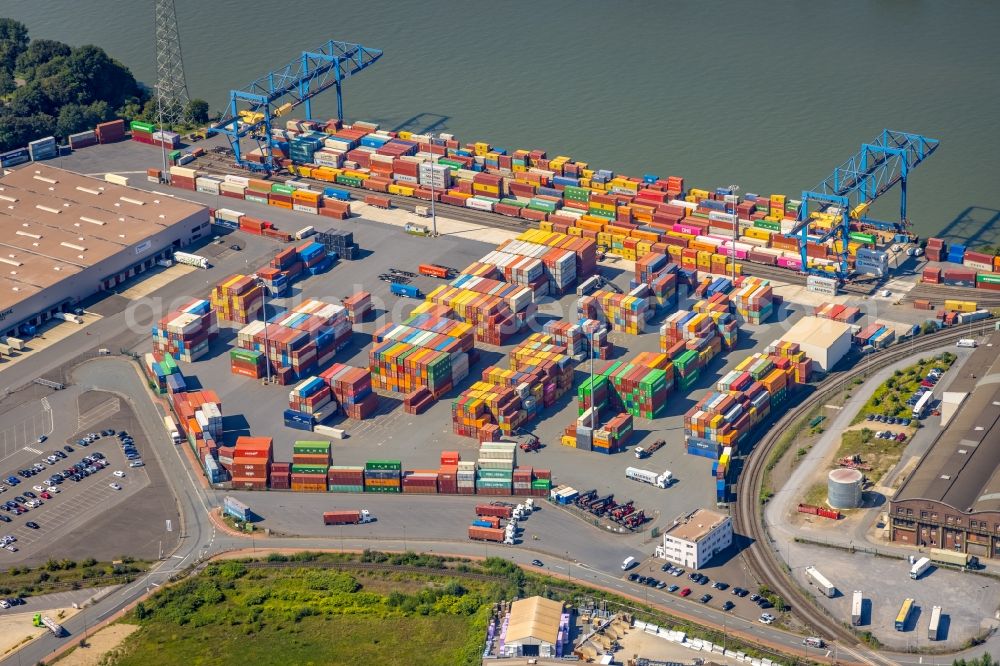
761, 557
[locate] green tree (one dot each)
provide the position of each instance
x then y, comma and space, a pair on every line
16, 131
39, 52
98, 76
13, 41
7, 85
196, 111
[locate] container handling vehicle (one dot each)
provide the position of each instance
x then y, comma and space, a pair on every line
348, 517
641, 452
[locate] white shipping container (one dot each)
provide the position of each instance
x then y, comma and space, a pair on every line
116, 179
305, 209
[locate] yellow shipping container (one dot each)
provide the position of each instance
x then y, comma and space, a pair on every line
960, 306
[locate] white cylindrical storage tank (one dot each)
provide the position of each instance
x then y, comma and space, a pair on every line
843, 488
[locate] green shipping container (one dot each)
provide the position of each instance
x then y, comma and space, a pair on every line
988, 278
309, 469
767, 224
859, 237
384, 464
314, 447
281, 189
345, 489
142, 127
382, 489
541, 484
513, 202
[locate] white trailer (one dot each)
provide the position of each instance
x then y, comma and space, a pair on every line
171, 426
922, 404
932, 628
191, 259
919, 567
825, 586
856, 606
645, 476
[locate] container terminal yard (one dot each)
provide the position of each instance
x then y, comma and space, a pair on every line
344, 314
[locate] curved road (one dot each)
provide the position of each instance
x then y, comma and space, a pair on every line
762, 557
200, 539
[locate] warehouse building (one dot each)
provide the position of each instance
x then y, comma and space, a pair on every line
65, 237
952, 498
536, 627
825, 341
695, 540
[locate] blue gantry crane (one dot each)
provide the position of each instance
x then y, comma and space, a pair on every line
252, 108
856, 184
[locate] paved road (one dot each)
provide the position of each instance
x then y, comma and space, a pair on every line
199, 539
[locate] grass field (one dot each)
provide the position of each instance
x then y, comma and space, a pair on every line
232, 615
62, 575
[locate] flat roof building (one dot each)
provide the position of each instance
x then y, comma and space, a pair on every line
952, 499
65, 236
694, 540
536, 627
825, 341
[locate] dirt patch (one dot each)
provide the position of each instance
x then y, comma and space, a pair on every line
99, 645
17, 629
385, 583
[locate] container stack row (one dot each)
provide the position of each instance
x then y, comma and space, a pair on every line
622, 312
297, 342
490, 315
753, 299
311, 396
506, 398
358, 306
722, 421
147, 133
199, 417
876, 334
589, 433
289, 196
577, 338
187, 332
837, 312
383, 476
352, 387
660, 274
251, 467
160, 372
238, 299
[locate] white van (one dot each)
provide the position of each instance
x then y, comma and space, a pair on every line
628, 563
966, 342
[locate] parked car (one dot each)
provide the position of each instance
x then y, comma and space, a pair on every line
728, 606
114, 486
686, 592
672, 588
32, 525
705, 598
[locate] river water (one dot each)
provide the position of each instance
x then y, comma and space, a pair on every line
768, 94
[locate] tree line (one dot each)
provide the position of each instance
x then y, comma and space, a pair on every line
48, 88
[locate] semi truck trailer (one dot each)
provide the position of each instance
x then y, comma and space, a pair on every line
645, 476
352, 517
494, 534
919, 567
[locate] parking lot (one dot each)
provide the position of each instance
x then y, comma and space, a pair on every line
71, 512
969, 602
726, 570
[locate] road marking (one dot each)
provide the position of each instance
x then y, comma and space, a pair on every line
31, 450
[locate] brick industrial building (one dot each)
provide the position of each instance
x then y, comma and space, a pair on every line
65, 237
952, 499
